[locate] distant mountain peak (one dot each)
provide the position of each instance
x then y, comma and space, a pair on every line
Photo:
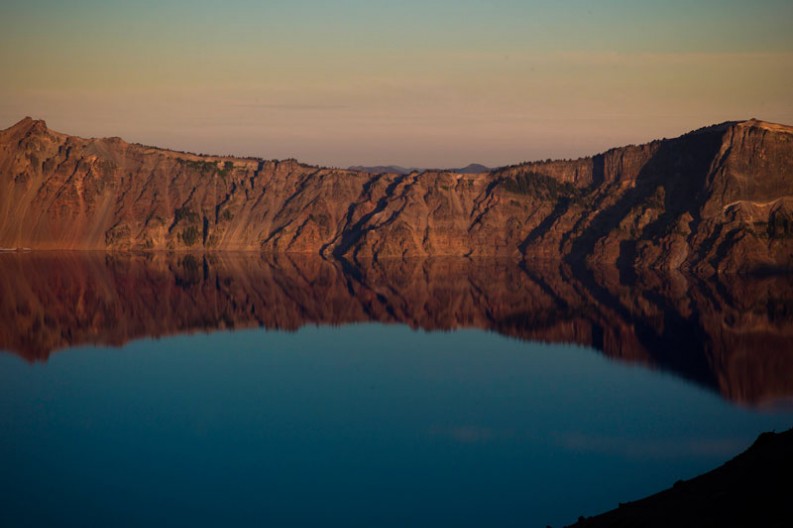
744, 124
27, 125
765, 125
472, 168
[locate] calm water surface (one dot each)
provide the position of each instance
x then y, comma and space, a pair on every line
352, 417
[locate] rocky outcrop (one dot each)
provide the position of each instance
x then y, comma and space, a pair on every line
717, 199
732, 336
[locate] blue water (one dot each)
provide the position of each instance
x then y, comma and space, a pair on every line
361, 425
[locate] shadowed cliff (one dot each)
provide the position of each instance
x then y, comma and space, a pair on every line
717, 199
733, 336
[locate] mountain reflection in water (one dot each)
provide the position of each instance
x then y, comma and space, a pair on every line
733, 335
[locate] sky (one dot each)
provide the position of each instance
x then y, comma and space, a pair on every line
416, 83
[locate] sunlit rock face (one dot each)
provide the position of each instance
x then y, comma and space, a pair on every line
733, 336
717, 199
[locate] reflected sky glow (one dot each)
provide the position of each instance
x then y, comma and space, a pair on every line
351, 426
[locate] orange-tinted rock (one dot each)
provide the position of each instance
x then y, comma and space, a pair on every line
717, 199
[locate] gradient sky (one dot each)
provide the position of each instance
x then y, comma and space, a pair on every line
418, 83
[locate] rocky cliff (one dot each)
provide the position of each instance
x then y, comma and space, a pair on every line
717, 199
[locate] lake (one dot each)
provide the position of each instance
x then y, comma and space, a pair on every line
248, 390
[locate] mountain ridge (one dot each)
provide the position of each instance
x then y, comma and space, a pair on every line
719, 198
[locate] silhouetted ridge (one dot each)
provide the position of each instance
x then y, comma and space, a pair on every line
753, 489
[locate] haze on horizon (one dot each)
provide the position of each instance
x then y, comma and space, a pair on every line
434, 84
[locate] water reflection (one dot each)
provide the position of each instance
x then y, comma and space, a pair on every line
733, 335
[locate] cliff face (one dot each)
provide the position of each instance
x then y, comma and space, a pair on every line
720, 198
731, 336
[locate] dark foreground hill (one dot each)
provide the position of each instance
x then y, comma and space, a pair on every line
719, 198
753, 489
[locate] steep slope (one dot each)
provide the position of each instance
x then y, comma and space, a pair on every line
720, 198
